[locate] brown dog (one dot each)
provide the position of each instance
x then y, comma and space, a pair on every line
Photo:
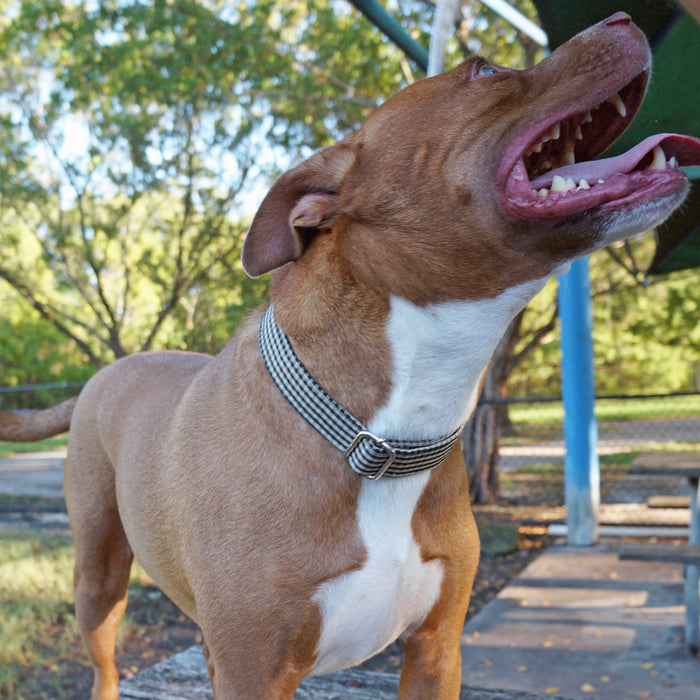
401, 255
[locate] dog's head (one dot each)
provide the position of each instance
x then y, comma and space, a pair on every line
465, 184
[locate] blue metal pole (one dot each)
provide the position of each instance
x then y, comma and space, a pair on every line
581, 465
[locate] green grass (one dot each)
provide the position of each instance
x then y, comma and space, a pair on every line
39, 637
38, 633
609, 409
9, 448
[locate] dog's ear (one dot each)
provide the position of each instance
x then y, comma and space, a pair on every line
301, 202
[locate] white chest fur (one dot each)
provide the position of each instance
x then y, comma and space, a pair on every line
439, 354
365, 610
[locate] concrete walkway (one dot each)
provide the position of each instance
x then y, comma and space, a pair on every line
33, 474
578, 622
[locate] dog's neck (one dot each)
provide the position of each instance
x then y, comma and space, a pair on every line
440, 353
421, 365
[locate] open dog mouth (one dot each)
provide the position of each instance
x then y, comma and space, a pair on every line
550, 173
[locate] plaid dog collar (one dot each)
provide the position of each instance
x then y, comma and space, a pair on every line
368, 455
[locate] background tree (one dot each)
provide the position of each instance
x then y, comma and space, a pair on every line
133, 136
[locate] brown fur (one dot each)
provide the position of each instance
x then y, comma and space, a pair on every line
202, 470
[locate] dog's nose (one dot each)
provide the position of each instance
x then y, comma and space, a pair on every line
618, 18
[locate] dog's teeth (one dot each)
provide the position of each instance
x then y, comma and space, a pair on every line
553, 133
547, 165
568, 157
543, 192
659, 162
578, 135
673, 162
587, 118
618, 104
560, 184
535, 148
600, 182
583, 185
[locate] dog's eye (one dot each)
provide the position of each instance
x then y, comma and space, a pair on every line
486, 69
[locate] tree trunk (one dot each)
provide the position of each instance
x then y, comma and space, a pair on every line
481, 437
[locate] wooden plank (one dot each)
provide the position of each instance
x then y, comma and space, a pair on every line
668, 501
184, 677
678, 553
685, 464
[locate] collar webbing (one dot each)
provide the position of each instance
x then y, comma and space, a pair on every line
367, 454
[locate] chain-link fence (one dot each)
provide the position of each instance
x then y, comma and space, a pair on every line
35, 396
626, 423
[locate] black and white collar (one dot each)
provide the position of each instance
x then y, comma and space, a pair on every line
368, 455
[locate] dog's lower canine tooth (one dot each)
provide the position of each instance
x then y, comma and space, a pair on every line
618, 104
583, 185
659, 162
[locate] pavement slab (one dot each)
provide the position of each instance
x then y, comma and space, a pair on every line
578, 622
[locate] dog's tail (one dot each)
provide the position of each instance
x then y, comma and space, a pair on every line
37, 425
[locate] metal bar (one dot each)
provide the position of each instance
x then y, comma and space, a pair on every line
692, 599
443, 23
376, 14
518, 20
581, 464
38, 387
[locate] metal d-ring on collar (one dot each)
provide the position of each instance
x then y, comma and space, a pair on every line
368, 455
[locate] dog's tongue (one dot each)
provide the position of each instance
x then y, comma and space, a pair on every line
686, 150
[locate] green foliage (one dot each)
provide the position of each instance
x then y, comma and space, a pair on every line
33, 351
646, 333
130, 134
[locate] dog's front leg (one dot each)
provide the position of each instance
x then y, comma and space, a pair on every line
432, 665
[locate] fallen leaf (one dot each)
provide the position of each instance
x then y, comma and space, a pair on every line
648, 665
553, 689
522, 668
588, 688
487, 662
605, 679
644, 694
548, 643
